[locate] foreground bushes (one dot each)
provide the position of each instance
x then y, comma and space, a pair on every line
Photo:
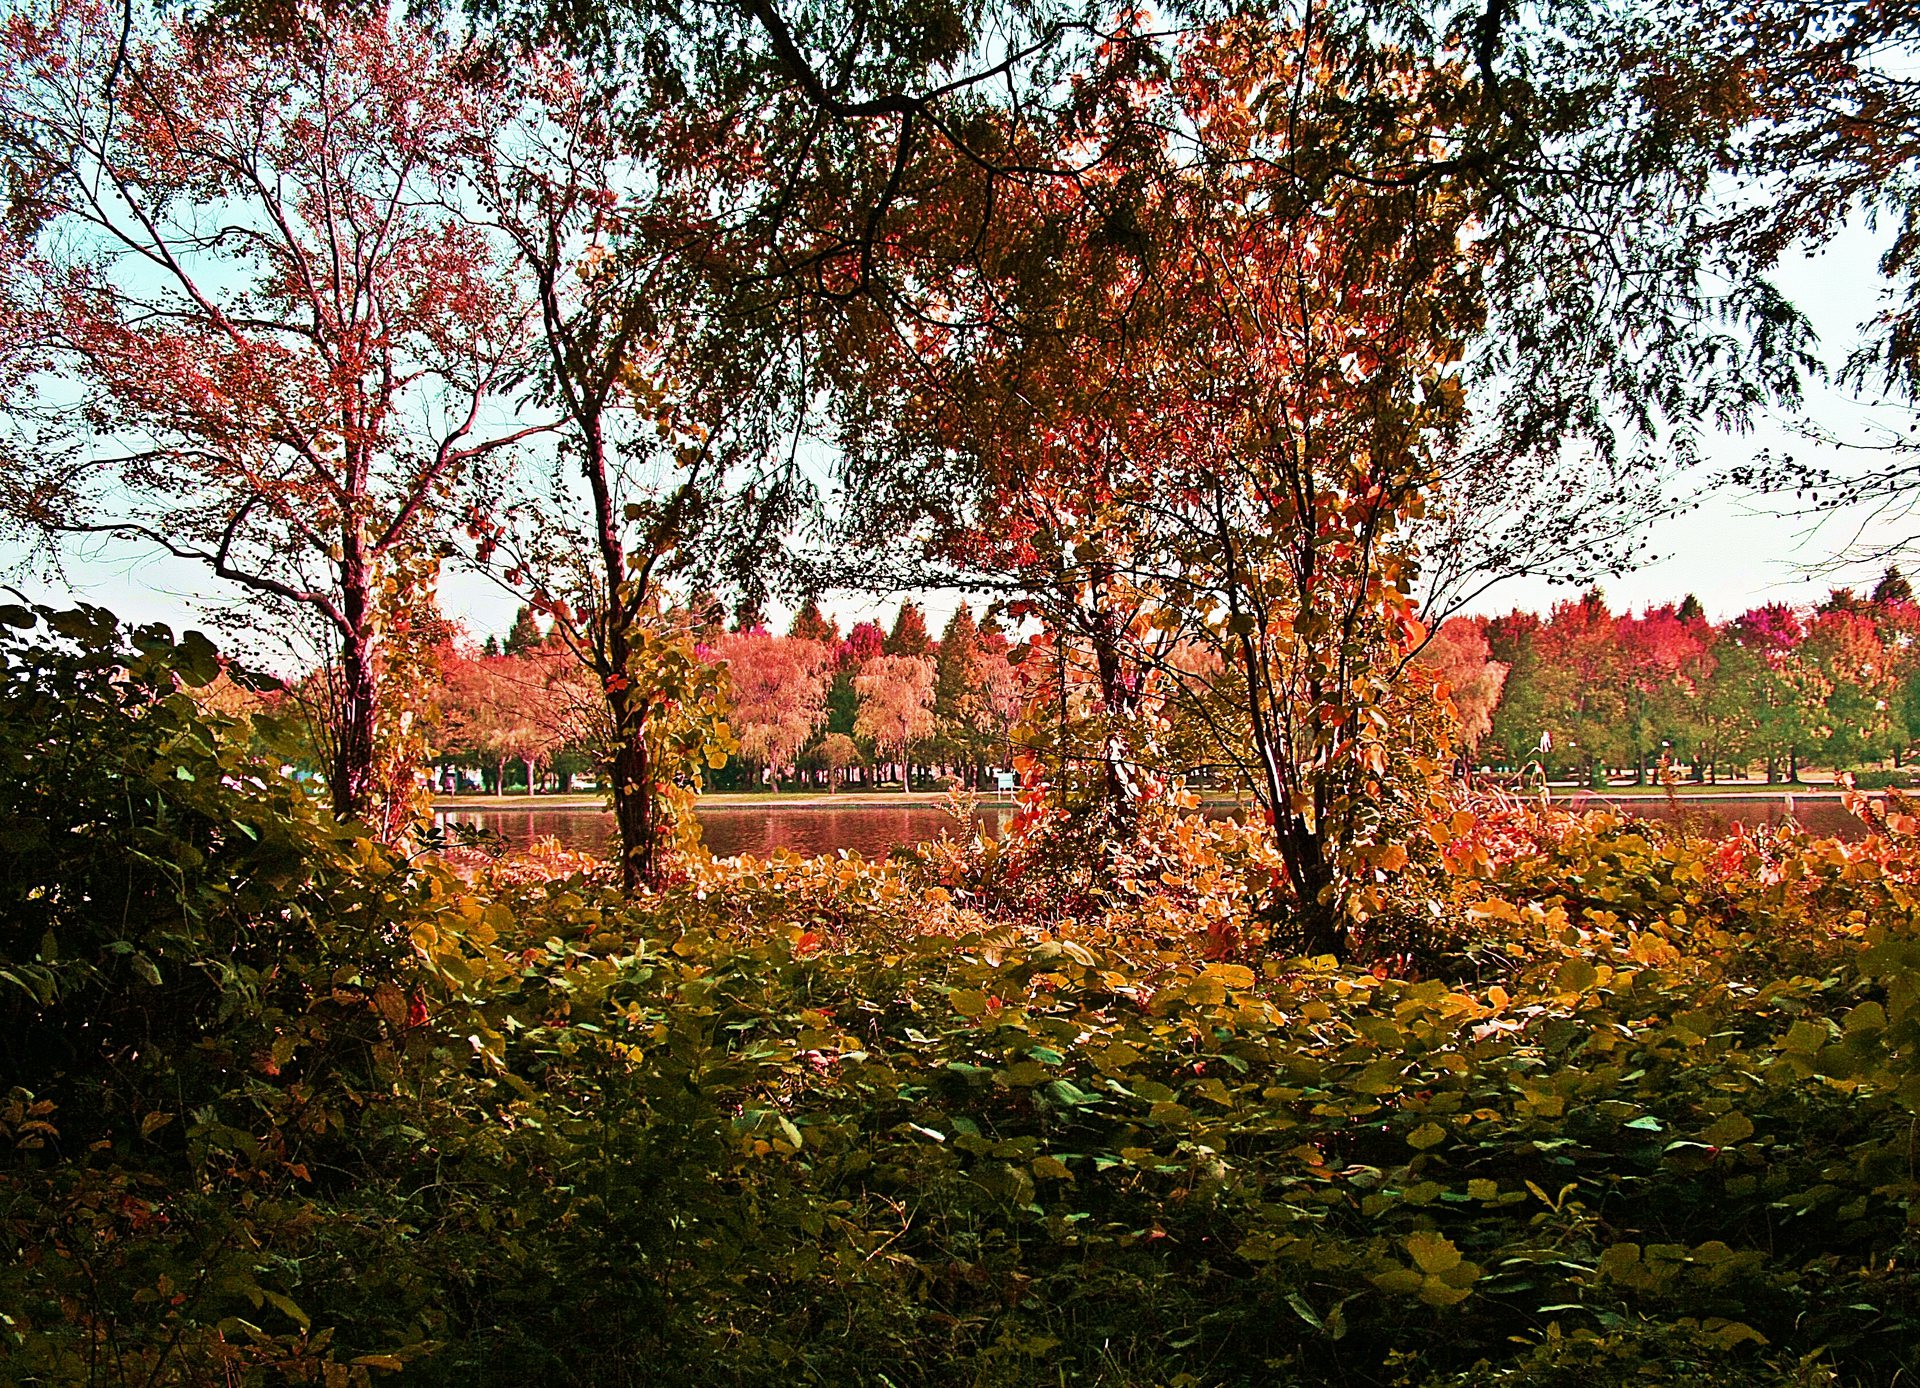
1651, 1118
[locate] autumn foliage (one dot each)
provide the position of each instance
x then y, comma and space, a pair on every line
1625, 1106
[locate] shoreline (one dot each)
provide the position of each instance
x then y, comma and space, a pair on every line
934, 799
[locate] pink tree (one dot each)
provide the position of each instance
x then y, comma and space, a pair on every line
896, 706
502, 708
1459, 655
274, 344
779, 693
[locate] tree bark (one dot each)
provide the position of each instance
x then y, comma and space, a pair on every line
350, 777
635, 811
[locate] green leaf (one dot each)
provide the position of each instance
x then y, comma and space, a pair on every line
1729, 1129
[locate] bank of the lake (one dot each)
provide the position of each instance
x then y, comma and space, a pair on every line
872, 824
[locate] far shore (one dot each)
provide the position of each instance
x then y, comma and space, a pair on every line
1566, 793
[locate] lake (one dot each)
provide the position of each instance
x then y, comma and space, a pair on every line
870, 830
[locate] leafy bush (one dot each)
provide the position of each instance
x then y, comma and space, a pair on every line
927, 1122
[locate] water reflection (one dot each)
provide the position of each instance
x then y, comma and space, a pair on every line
729, 830
871, 830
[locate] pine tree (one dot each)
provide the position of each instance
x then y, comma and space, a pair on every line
957, 663
708, 616
909, 636
1690, 609
525, 635
809, 624
749, 615
1892, 587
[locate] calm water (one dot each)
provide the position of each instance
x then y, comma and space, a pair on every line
871, 830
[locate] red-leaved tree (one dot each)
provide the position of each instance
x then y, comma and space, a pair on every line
271, 345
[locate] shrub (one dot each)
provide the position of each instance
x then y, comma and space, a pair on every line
928, 1122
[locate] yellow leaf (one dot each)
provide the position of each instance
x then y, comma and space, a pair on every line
968, 1002
1437, 1293
1434, 1253
1427, 1135
1400, 1280
1051, 1167
1235, 976
1483, 1190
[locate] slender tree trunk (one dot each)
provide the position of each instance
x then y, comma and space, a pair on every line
350, 776
635, 810
500, 776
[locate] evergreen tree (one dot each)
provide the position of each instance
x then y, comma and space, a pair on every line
809, 624
749, 615
1892, 588
525, 636
909, 636
1691, 610
708, 616
957, 663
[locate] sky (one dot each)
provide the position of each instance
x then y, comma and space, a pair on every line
1731, 551
1736, 551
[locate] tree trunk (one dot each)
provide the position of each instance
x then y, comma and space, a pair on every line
529, 768
1309, 872
635, 810
350, 777
500, 776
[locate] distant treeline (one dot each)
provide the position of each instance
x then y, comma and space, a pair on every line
813, 705
1777, 687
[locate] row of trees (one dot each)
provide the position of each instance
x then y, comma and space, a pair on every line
810, 705
1774, 687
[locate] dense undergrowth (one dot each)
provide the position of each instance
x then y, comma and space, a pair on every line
1611, 1105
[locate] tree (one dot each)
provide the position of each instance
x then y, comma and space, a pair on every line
1661, 663
277, 343
1459, 655
503, 708
896, 706
838, 752
669, 470
1581, 689
525, 634
961, 695
865, 641
909, 636
1787, 694
810, 625
1857, 715
779, 694
1892, 588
